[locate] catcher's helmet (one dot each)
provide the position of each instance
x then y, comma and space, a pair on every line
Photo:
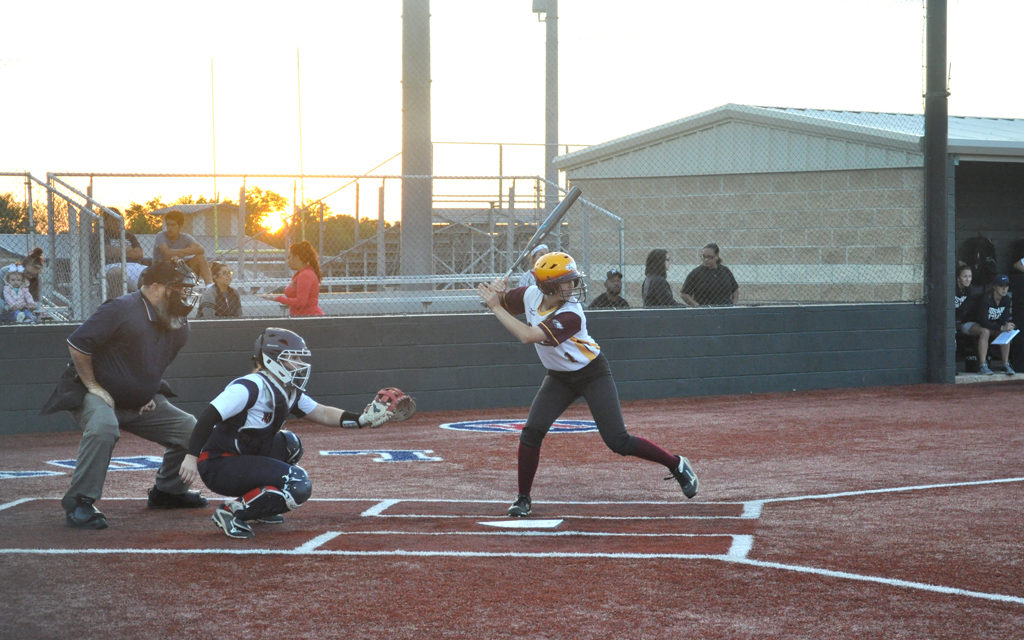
175, 275
554, 268
280, 352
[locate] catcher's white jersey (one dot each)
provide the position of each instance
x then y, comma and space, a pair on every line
569, 347
265, 411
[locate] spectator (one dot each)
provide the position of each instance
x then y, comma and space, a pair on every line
303, 294
528, 278
119, 356
135, 261
611, 298
994, 314
656, 290
965, 300
220, 300
172, 243
711, 284
32, 265
18, 301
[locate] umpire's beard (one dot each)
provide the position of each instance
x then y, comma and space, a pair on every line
164, 316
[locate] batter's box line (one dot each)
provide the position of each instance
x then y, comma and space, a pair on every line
379, 509
753, 508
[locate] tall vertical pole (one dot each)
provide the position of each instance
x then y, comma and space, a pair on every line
213, 137
417, 250
551, 107
939, 241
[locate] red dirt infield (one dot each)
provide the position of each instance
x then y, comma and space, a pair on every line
857, 513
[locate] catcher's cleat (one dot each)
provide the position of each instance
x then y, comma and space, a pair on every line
162, 500
686, 477
232, 526
85, 515
277, 518
521, 507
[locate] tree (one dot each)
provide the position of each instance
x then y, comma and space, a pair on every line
13, 215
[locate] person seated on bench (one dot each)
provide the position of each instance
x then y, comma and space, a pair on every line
994, 314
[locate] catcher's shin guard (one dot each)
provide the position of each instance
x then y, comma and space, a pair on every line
267, 501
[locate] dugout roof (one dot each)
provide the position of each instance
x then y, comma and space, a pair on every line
751, 139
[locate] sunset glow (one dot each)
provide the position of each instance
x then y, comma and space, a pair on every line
273, 221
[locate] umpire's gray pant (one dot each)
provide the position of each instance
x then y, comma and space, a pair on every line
166, 425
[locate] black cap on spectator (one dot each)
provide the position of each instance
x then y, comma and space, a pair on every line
613, 273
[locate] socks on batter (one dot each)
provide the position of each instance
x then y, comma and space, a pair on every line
649, 451
529, 459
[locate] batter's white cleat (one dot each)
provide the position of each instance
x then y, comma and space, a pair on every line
686, 477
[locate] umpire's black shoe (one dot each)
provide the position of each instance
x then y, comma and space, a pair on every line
521, 507
162, 500
85, 515
686, 477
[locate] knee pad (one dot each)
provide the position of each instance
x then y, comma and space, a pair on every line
292, 446
297, 487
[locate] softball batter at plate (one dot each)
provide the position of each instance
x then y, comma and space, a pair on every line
557, 327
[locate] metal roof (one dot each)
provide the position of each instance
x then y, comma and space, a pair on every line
984, 138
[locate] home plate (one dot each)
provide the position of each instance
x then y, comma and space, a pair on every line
523, 524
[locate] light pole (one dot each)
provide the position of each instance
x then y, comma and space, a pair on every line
549, 9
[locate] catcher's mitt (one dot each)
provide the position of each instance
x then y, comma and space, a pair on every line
396, 401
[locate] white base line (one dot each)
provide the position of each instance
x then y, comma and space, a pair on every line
752, 508
892, 582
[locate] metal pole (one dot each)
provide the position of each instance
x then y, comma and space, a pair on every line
551, 107
941, 363
417, 248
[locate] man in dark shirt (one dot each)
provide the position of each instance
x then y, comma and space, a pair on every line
120, 354
611, 298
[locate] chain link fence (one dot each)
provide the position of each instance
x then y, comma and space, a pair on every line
804, 207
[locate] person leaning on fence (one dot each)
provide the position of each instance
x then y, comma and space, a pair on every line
135, 261
656, 290
711, 284
119, 355
220, 300
994, 313
172, 243
611, 298
302, 295
965, 302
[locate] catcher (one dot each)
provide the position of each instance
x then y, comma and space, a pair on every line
238, 447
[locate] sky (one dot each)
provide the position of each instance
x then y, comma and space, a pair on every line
112, 86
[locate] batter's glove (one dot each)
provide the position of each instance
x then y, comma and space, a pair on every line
394, 402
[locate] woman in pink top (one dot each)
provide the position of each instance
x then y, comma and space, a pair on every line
302, 295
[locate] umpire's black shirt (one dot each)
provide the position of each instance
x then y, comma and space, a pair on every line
130, 349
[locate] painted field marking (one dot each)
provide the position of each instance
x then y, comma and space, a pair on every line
523, 523
737, 554
752, 508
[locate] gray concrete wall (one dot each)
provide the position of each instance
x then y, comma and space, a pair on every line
470, 361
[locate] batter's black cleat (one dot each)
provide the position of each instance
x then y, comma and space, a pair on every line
85, 515
277, 518
230, 525
521, 507
686, 478
162, 500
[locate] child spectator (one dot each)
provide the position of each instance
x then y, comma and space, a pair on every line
17, 299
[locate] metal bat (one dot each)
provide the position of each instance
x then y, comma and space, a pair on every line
545, 227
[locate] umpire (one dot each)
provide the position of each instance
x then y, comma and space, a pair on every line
120, 354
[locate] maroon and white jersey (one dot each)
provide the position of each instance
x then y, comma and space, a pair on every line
568, 346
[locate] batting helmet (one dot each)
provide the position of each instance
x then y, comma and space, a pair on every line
552, 269
280, 352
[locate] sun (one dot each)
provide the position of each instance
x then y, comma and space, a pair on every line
273, 221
